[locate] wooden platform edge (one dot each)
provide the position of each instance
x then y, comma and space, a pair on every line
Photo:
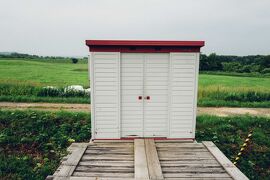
229, 167
68, 166
140, 161
154, 167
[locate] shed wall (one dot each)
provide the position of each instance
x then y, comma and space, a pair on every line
107, 74
105, 100
183, 85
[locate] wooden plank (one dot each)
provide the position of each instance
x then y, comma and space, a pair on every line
180, 150
98, 175
114, 141
90, 158
190, 161
231, 169
140, 163
180, 145
91, 152
107, 163
154, 167
190, 166
196, 175
193, 170
111, 145
174, 141
187, 155
70, 164
65, 171
110, 150
191, 152
109, 155
185, 158
194, 178
76, 155
105, 169
95, 178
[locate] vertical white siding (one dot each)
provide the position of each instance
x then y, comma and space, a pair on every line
105, 89
183, 90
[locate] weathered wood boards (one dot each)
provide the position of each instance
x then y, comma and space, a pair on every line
70, 164
107, 161
231, 169
188, 160
145, 159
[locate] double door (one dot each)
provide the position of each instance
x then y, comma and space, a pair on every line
144, 94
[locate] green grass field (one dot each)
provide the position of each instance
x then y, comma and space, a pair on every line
43, 73
214, 90
234, 82
40, 73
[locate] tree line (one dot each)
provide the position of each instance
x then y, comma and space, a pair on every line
213, 62
29, 56
238, 64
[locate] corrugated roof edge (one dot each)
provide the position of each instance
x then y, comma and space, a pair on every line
143, 43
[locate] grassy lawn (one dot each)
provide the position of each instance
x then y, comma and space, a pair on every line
234, 82
43, 73
233, 91
33, 142
19, 76
57, 73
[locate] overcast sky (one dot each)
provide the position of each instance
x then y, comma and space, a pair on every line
60, 27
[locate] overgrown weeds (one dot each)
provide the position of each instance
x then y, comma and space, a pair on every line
33, 142
229, 133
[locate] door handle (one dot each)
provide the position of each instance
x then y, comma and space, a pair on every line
147, 97
140, 97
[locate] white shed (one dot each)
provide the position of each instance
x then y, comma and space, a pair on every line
143, 88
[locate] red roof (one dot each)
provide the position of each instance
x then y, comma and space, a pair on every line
143, 43
140, 46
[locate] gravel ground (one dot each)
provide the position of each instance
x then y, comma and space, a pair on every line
218, 111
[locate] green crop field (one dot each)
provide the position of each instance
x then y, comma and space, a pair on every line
18, 78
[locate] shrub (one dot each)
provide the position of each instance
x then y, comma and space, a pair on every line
74, 60
266, 71
237, 94
49, 91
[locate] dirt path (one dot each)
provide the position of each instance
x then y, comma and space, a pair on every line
220, 111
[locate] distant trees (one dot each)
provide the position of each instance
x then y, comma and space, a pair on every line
28, 56
18, 55
239, 64
213, 62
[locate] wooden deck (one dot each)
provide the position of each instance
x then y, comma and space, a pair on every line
144, 159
